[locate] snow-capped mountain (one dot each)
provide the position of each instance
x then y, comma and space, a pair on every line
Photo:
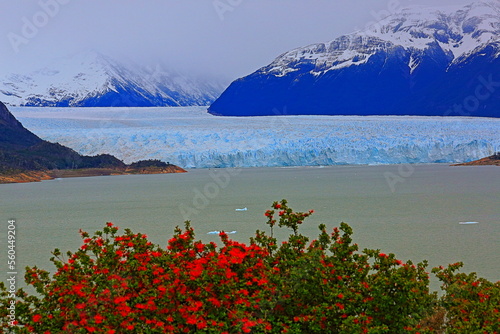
419, 61
90, 79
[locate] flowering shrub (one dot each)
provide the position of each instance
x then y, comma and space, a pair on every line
123, 283
472, 303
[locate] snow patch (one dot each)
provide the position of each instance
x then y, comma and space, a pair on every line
458, 30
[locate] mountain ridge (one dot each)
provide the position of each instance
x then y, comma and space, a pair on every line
91, 79
12, 132
410, 63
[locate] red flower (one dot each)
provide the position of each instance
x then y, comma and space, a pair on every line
78, 290
214, 301
237, 255
201, 324
37, 318
191, 320
98, 319
200, 247
120, 299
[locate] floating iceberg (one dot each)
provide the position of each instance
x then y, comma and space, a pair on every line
218, 232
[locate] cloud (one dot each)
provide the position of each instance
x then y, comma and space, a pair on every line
228, 37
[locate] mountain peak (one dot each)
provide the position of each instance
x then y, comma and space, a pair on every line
457, 31
91, 78
6, 118
394, 66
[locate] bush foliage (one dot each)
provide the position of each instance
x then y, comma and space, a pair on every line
122, 283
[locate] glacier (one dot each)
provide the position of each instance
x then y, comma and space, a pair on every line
190, 137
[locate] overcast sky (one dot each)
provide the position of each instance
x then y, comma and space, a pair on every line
228, 37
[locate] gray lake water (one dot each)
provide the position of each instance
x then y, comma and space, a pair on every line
412, 211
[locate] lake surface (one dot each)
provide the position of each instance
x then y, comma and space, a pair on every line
413, 211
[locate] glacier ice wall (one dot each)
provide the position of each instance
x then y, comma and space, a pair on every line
192, 138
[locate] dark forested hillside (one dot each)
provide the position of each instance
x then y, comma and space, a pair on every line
22, 151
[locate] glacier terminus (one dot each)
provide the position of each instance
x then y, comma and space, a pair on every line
190, 137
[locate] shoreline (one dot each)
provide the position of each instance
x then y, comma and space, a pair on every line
488, 161
38, 176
